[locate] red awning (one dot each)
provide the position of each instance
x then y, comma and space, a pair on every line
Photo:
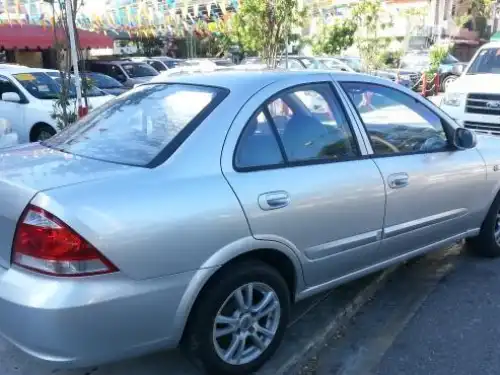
38, 37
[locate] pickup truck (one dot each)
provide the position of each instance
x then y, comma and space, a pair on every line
473, 99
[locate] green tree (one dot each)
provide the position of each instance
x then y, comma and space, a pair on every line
437, 54
263, 26
367, 14
333, 39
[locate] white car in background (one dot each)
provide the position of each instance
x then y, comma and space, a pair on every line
8, 138
27, 98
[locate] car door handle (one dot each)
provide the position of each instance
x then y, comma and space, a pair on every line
274, 200
398, 180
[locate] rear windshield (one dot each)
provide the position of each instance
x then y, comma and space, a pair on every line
135, 127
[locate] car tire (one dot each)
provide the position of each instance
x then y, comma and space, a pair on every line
248, 335
447, 81
487, 243
42, 132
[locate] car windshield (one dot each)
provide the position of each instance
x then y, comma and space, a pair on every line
137, 70
102, 81
137, 126
487, 61
39, 84
353, 63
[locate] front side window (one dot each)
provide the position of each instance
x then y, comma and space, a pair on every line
134, 128
395, 122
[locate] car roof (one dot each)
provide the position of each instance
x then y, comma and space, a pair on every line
17, 70
116, 62
253, 80
491, 45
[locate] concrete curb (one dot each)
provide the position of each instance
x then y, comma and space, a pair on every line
336, 324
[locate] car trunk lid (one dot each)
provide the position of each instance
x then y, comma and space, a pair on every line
27, 170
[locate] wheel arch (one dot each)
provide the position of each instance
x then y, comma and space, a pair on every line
38, 125
272, 253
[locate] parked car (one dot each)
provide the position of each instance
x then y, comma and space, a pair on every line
294, 62
473, 99
251, 60
116, 240
201, 63
352, 61
27, 101
8, 138
418, 62
98, 96
106, 83
169, 62
405, 78
335, 64
127, 72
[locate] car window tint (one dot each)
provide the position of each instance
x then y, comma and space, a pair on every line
281, 113
137, 126
258, 146
316, 126
396, 122
6, 86
157, 65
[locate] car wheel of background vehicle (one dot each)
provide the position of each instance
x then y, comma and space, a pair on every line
41, 132
240, 319
446, 82
487, 243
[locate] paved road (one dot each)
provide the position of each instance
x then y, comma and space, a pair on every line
436, 317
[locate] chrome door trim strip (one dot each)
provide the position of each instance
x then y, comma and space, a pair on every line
344, 244
396, 230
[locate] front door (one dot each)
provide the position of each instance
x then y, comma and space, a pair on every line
293, 160
433, 189
13, 112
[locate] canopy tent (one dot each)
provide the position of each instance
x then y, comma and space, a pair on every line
34, 37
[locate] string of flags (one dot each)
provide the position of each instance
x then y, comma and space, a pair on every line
143, 19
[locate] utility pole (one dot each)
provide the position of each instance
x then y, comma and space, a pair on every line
74, 57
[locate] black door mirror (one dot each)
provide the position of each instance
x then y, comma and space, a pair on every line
464, 138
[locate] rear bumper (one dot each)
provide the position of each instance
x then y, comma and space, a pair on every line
86, 321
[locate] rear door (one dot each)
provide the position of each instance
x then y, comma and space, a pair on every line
294, 161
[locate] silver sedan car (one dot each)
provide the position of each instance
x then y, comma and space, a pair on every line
201, 208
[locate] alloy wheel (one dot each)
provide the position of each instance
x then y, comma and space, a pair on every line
246, 324
496, 231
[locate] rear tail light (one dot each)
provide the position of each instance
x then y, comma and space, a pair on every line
43, 243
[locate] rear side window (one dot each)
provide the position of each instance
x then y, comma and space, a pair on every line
136, 127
